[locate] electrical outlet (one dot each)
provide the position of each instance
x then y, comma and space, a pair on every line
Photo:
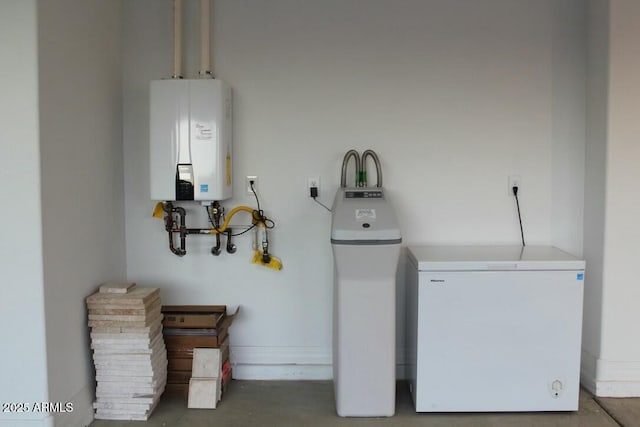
313, 181
514, 181
247, 184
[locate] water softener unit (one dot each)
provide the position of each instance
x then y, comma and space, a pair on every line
365, 239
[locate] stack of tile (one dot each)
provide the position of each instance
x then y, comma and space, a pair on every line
211, 373
128, 351
205, 386
187, 327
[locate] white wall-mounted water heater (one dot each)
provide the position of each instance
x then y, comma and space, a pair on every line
190, 140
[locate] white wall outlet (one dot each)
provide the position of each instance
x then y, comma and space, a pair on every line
514, 181
313, 181
247, 184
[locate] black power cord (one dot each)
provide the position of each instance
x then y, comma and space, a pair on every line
515, 193
258, 216
253, 190
222, 232
313, 192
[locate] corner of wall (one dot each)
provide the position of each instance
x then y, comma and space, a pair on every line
588, 372
82, 414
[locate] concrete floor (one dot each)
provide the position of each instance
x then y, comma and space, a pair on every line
310, 403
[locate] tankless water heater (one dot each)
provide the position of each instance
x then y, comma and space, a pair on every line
190, 140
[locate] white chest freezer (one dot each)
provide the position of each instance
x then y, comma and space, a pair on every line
494, 328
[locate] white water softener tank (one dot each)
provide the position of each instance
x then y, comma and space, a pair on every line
366, 246
190, 139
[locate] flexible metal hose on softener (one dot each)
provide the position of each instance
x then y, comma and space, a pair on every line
363, 167
345, 161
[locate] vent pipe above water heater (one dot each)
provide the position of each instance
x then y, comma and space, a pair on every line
205, 37
177, 40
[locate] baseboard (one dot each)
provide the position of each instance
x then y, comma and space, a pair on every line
617, 389
248, 355
282, 372
293, 372
289, 363
588, 366
606, 378
281, 363
82, 414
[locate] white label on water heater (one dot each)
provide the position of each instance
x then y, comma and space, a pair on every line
203, 132
365, 214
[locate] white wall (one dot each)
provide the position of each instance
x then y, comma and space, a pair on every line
23, 359
82, 182
595, 183
453, 95
623, 175
569, 48
611, 359
620, 356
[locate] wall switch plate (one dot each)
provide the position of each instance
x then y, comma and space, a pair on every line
247, 184
313, 181
514, 181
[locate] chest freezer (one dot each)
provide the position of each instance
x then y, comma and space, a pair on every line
494, 328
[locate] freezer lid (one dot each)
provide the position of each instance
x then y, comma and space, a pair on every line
492, 258
363, 216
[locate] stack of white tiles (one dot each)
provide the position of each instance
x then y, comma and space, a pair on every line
128, 351
205, 386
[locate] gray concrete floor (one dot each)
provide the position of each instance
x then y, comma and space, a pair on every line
310, 403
